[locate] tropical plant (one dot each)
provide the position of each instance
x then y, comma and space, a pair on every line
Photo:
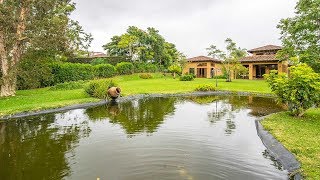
299, 91
300, 35
175, 69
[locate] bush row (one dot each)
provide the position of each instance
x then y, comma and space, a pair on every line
49, 74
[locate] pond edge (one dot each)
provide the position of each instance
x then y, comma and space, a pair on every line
128, 98
274, 147
278, 151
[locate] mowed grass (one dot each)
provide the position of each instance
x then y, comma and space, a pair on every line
301, 136
39, 99
134, 85
44, 98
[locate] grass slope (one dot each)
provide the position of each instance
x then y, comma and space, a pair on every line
39, 99
44, 98
301, 136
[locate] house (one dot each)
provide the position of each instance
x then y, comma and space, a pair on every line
97, 54
262, 60
203, 67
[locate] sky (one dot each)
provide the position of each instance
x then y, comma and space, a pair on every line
192, 25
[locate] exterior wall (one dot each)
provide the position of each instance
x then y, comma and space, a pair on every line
282, 67
208, 66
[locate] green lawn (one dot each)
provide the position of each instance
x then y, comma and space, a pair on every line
301, 136
38, 99
135, 85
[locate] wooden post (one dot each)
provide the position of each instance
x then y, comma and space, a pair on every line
250, 71
280, 67
208, 75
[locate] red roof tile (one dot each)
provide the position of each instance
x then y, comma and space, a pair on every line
203, 59
265, 48
259, 58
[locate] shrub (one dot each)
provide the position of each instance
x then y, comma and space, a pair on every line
97, 61
145, 76
99, 88
189, 77
69, 85
145, 67
220, 77
299, 91
205, 87
105, 70
65, 72
34, 72
124, 68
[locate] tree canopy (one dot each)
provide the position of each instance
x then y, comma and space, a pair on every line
144, 46
230, 57
300, 34
37, 27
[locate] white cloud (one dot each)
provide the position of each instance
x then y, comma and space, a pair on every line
191, 25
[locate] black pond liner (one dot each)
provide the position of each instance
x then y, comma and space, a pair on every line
274, 147
127, 98
279, 152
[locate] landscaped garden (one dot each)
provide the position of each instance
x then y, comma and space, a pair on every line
46, 63
44, 98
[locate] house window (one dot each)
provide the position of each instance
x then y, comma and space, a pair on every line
191, 71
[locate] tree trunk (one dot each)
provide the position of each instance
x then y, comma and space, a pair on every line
9, 68
5, 79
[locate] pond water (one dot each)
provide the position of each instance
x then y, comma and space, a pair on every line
207, 137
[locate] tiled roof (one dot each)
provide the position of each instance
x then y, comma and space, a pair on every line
265, 48
259, 58
97, 54
203, 59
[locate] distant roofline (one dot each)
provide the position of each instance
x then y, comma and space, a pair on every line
265, 48
203, 59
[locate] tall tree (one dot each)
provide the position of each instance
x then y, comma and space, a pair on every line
35, 25
230, 58
300, 34
145, 46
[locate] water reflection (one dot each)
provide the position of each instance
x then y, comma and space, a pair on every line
36, 147
143, 115
224, 108
207, 137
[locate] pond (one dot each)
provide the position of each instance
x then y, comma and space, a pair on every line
204, 137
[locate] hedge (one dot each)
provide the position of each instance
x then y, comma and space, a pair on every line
105, 70
113, 60
145, 68
124, 68
65, 72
